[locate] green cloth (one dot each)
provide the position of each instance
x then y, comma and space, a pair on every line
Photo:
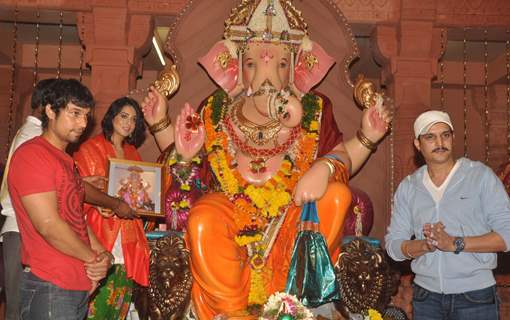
112, 299
311, 276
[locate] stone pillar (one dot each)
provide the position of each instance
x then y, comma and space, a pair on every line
498, 123
114, 40
408, 52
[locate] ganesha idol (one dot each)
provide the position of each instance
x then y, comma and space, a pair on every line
257, 149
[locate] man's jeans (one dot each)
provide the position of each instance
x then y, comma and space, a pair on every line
42, 300
478, 304
13, 271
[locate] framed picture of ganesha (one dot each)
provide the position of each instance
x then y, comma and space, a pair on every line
139, 184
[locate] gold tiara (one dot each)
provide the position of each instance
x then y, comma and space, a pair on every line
266, 20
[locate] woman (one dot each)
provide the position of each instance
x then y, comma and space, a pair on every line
123, 131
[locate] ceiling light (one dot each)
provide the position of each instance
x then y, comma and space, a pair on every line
158, 50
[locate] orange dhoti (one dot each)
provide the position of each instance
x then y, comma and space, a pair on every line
220, 267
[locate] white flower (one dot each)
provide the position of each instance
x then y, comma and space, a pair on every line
280, 302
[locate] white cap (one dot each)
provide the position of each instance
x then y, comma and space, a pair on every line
427, 119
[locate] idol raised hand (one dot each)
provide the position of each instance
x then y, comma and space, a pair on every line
154, 106
376, 120
189, 133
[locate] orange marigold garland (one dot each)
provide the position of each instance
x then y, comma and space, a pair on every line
255, 207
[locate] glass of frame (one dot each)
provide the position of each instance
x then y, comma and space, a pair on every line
139, 184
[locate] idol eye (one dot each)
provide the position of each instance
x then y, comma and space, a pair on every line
283, 64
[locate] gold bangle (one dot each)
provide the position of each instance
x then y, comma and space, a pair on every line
367, 143
331, 167
160, 125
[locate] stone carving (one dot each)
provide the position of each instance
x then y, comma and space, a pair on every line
364, 277
170, 279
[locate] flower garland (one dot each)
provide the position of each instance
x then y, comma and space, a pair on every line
285, 306
373, 314
255, 207
185, 189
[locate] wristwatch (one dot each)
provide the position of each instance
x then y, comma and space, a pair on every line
459, 244
110, 256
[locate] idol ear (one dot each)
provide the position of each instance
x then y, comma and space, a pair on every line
222, 65
312, 65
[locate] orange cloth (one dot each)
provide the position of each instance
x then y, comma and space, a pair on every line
220, 268
92, 160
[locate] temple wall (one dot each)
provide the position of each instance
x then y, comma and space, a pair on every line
399, 41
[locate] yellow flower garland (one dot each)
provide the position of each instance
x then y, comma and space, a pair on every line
255, 206
374, 314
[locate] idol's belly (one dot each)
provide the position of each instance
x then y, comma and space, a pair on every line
257, 171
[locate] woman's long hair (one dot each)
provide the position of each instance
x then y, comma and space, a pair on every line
137, 137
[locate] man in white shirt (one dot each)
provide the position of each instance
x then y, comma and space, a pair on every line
459, 214
10, 232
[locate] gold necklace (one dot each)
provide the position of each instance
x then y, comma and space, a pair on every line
260, 134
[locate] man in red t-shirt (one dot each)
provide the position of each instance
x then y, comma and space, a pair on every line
63, 258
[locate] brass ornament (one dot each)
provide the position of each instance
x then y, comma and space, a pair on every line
260, 134
364, 278
365, 93
240, 15
240, 24
170, 278
168, 81
294, 16
310, 61
223, 59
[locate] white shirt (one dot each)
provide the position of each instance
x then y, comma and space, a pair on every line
117, 251
30, 129
435, 191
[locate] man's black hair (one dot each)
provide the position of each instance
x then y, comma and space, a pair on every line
64, 91
40, 92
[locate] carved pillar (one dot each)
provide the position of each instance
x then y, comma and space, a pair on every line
498, 124
408, 53
114, 40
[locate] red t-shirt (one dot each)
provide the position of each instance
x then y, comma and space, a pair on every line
38, 167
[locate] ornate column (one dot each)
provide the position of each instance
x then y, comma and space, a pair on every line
408, 52
115, 40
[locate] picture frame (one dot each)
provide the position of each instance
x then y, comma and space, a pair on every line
139, 184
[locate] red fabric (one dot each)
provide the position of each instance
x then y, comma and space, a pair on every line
38, 167
330, 135
92, 160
